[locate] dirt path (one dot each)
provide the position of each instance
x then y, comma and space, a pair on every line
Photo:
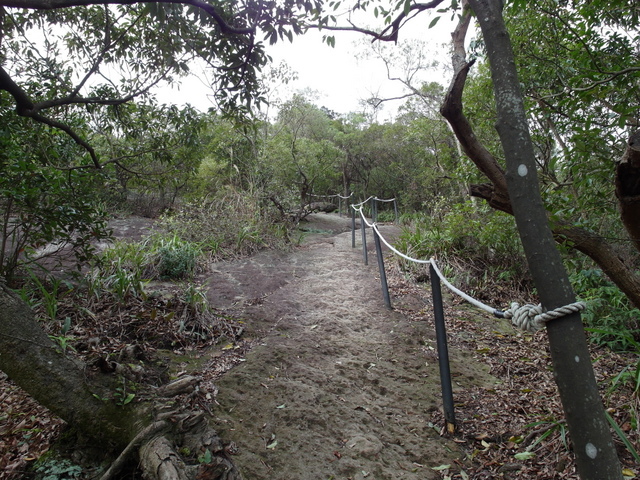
338, 387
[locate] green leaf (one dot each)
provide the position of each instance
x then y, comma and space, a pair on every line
206, 457
524, 456
441, 468
623, 437
433, 22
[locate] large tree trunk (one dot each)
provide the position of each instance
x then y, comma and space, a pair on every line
84, 400
497, 195
35, 363
596, 457
628, 188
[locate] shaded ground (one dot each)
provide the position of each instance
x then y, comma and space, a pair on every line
337, 386
328, 384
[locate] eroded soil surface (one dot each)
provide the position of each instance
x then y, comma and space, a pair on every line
325, 383
337, 386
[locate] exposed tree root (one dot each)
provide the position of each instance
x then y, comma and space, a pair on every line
160, 461
141, 437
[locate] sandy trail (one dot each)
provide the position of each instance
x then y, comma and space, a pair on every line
338, 387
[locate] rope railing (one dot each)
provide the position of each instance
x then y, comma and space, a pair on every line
527, 317
362, 203
340, 198
337, 195
374, 205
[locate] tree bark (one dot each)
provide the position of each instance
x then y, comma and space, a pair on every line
497, 195
36, 364
628, 188
596, 457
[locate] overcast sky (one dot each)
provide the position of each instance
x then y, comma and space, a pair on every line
341, 79
343, 75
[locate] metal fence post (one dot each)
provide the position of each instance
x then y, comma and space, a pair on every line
363, 227
373, 209
395, 208
353, 227
443, 351
383, 274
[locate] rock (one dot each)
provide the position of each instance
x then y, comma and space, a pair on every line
326, 207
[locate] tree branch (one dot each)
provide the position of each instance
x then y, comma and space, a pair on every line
452, 110
389, 34
225, 28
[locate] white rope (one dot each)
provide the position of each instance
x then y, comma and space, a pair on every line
331, 196
468, 298
364, 219
532, 318
381, 200
397, 252
527, 317
361, 203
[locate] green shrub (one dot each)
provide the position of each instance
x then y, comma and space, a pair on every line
176, 259
118, 270
54, 469
482, 243
609, 317
387, 216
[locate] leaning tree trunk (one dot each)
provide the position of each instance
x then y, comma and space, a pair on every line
497, 195
596, 457
36, 364
628, 188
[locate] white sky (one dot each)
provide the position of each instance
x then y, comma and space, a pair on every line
339, 77
342, 77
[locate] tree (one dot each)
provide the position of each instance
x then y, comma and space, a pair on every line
595, 453
301, 152
578, 127
66, 63
166, 142
40, 205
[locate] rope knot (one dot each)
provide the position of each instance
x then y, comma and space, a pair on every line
525, 317
532, 318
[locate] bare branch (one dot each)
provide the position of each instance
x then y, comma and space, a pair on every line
389, 34
452, 110
375, 102
57, 4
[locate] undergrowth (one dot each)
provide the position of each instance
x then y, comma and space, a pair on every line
230, 224
476, 247
479, 251
609, 317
